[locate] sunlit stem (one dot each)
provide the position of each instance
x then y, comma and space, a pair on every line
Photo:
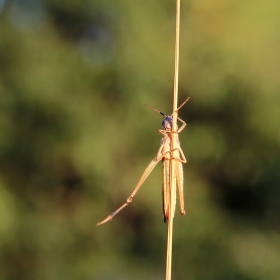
172, 165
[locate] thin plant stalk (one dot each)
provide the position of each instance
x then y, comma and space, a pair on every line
172, 165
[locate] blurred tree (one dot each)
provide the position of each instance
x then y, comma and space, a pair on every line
74, 76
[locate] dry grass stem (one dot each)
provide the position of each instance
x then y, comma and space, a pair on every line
172, 165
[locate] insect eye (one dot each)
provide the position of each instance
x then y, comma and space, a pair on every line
170, 121
167, 122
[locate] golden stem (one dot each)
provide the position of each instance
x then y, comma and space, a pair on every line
172, 165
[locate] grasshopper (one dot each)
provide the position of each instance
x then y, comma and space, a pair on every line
164, 154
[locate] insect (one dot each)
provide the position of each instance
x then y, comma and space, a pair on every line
163, 154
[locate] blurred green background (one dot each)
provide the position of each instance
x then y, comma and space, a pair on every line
75, 137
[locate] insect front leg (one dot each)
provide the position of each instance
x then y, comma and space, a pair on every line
183, 125
164, 145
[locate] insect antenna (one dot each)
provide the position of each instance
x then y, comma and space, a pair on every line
155, 110
183, 104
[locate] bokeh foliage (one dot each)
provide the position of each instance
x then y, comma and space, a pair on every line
75, 138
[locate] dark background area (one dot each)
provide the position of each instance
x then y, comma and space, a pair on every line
75, 137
